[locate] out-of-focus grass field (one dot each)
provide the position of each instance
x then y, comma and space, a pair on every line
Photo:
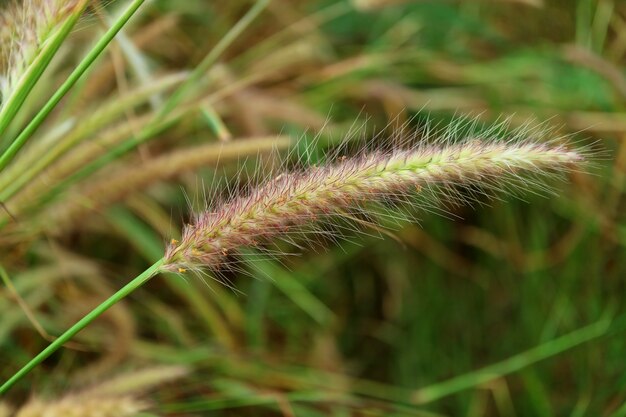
515, 308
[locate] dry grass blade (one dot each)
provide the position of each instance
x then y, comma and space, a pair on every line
115, 186
118, 397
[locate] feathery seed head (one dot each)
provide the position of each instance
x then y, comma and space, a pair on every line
298, 198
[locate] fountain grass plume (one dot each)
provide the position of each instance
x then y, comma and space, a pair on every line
345, 188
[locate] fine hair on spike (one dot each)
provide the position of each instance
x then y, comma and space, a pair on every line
459, 164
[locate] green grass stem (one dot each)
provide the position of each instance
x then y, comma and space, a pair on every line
80, 69
34, 71
513, 364
177, 96
213, 56
81, 324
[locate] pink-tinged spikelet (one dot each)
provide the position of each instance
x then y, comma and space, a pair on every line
295, 199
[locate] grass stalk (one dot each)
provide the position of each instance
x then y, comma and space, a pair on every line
82, 323
27, 82
513, 364
123, 182
213, 56
177, 96
80, 69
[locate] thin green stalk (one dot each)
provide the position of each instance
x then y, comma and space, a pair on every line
80, 69
212, 57
513, 364
82, 323
178, 95
15, 101
165, 112
40, 156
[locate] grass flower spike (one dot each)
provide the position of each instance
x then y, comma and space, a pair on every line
295, 199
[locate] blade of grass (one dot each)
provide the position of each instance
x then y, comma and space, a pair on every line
178, 95
292, 287
135, 283
87, 153
27, 82
513, 364
248, 401
80, 69
40, 155
212, 56
23, 305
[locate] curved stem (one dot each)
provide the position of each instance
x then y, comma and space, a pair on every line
82, 323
